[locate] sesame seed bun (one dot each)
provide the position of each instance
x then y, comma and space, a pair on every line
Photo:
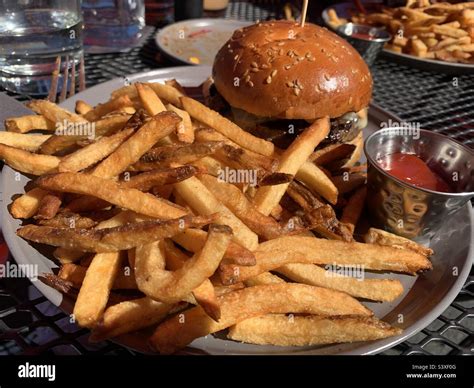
278, 69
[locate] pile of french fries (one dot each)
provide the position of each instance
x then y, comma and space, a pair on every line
441, 31
149, 233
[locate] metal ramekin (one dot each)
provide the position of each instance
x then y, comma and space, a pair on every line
368, 49
411, 211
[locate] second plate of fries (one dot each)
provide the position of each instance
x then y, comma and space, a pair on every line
432, 36
154, 244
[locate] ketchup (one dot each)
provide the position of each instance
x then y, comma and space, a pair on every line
360, 35
413, 170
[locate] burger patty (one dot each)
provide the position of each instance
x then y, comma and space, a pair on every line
282, 132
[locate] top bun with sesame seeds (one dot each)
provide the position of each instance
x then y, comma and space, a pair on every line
280, 70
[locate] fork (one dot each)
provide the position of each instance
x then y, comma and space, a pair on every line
53, 91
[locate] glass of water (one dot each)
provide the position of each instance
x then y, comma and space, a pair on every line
112, 25
33, 33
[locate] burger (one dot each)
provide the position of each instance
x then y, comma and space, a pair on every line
273, 78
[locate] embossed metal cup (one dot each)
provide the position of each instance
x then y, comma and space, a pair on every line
408, 210
368, 48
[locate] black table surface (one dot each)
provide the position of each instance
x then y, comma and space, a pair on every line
30, 324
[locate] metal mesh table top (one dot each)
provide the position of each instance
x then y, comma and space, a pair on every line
30, 324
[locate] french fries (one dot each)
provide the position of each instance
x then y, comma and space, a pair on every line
204, 294
110, 239
295, 249
112, 192
239, 204
193, 240
69, 220
185, 131
440, 31
264, 278
94, 293
348, 182
49, 206
266, 198
29, 123
168, 93
143, 182
75, 274
214, 120
27, 162
381, 237
149, 99
93, 153
135, 147
82, 107
82, 130
318, 181
159, 157
129, 316
53, 113
282, 330
173, 286
383, 290
102, 109
353, 210
26, 142
153, 205
28, 204
204, 202
176, 332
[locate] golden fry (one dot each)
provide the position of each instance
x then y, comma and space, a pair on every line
213, 119
110, 239
29, 123
94, 152
267, 197
313, 177
383, 290
149, 99
177, 332
193, 240
28, 204
135, 147
112, 192
28, 162
282, 330
310, 250
24, 141
129, 316
204, 202
185, 131
173, 286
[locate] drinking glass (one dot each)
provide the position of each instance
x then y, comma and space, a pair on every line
113, 25
33, 33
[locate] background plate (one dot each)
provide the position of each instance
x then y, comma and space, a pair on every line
200, 38
424, 299
344, 10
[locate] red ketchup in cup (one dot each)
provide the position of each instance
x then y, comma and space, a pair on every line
360, 35
412, 169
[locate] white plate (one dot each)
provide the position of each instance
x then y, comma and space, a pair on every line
424, 299
199, 38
